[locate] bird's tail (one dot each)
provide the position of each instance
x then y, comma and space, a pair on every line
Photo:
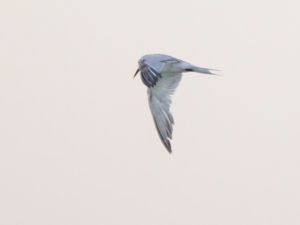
203, 70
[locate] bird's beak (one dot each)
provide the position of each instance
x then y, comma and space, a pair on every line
138, 70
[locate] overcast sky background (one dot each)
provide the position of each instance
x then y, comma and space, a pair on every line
78, 144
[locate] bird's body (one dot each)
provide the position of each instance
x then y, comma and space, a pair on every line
162, 74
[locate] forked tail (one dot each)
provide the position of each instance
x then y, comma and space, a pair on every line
202, 70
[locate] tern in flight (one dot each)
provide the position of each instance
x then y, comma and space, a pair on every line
162, 74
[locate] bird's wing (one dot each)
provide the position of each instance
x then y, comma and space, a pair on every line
149, 75
160, 102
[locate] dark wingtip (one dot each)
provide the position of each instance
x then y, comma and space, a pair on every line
168, 146
165, 141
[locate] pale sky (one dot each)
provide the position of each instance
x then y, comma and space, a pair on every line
78, 144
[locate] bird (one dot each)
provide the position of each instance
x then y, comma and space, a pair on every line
162, 74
